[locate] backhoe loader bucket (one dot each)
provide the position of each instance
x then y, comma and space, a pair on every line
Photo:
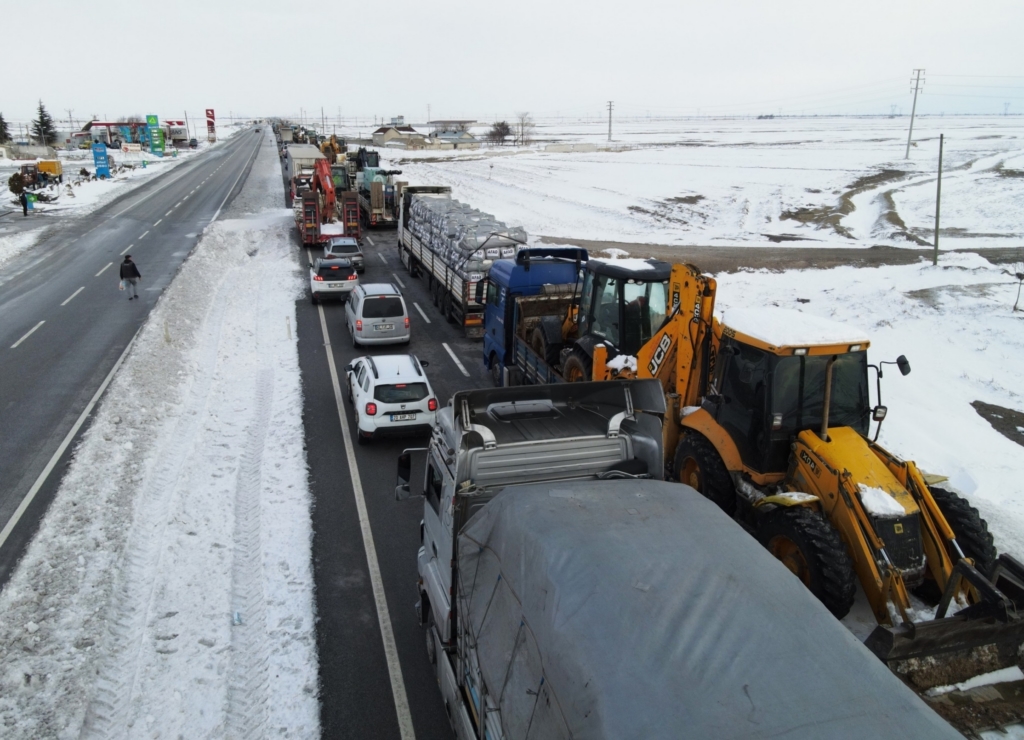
982, 638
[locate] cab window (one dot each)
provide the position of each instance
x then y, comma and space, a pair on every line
492, 294
435, 484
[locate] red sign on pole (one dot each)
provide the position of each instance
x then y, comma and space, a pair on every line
211, 126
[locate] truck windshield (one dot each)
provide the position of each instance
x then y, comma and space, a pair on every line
798, 392
645, 306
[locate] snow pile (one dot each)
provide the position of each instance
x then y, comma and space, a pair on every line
785, 327
631, 264
954, 324
622, 362
1003, 675
879, 503
186, 505
11, 245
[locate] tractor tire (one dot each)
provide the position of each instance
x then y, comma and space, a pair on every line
698, 465
495, 370
814, 552
578, 368
539, 344
970, 529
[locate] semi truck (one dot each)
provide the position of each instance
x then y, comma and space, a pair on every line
453, 245
377, 198
566, 592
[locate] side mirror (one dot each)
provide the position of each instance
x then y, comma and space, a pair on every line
424, 363
347, 368
412, 465
310, 265
904, 364
879, 412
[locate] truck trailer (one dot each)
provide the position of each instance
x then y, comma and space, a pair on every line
566, 592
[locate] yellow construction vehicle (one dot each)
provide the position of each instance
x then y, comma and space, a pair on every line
769, 416
332, 148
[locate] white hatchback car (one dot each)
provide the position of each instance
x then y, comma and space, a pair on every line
391, 396
332, 278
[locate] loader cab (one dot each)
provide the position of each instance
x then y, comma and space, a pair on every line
768, 381
624, 302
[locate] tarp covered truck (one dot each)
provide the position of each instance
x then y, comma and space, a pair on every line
565, 595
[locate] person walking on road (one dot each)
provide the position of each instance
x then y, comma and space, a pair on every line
23, 199
130, 277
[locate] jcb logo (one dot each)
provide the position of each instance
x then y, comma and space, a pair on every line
810, 463
659, 354
696, 311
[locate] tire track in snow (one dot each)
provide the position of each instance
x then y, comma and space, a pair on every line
107, 715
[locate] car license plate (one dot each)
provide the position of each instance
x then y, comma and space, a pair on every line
403, 417
383, 327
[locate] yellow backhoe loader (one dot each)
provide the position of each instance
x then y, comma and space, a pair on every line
769, 417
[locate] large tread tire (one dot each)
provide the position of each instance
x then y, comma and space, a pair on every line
495, 368
970, 529
578, 368
813, 550
698, 465
539, 344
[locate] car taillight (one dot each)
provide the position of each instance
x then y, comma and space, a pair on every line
432, 404
353, 276
371, 408
359, 324
318, 278
406, 322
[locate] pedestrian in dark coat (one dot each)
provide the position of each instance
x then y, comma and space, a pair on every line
130, 276
23, 199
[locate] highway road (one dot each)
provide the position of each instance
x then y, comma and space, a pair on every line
65, 325
357, 681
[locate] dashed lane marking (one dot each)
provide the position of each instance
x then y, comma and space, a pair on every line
68, 299
387, 632
27, 334
146, 231
154, 226
417, 306
454, 358
370, 239
382, 258
168, 213
127, 248
179, 202
104, 268
398, 280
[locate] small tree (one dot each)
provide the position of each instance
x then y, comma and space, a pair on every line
5, 130
43, 128
1018, 272
499, 132
16, 183
524, 128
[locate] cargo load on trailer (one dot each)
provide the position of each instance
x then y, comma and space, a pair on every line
377, 196
455, 245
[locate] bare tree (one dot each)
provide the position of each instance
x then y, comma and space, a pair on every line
524, 128
1018, 272
499, 132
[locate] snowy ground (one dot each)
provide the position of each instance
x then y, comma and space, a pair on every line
169, 590
703, 181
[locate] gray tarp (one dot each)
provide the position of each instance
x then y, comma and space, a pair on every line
639, 610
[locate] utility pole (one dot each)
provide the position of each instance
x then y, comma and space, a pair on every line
72, 125
188, 133
938, 199
1006, 109
611, 105
428, 112
323, 121
917, 82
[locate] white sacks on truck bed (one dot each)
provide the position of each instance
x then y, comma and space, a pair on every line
467, 239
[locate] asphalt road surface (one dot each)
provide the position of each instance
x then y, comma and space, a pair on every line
65, 325
357, 700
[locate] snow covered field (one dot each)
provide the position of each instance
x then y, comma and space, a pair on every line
706, 181
169, 590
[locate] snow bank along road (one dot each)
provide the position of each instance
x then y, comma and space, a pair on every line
65, 325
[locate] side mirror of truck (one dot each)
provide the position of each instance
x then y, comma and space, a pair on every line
903, 364
412, 465
478, 294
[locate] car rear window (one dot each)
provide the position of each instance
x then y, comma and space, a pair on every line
400, 392
342, 248
335, 272
382, 307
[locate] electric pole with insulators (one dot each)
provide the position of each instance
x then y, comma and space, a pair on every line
611, 105
917, 82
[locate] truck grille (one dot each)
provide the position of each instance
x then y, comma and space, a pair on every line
902, 539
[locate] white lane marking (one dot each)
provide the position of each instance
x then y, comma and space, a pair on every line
146, 231
192, 191
228, 194
104, 268
66, 302
398, 280
455, 359
168, 213
127, 248
371, 242
154, 226
382, 258
147, 197
178, 203
27, 335
183, 200
13, 521
383, 614
421, 312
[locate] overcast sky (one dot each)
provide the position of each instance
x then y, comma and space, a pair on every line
478, 60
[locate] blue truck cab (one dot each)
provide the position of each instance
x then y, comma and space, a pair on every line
526, 275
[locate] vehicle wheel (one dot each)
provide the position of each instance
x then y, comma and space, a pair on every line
312, 298
431, 645
495, 370
360, 439
813, 550
539, 344
449, 309
698, 465
577, 368
970, 529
